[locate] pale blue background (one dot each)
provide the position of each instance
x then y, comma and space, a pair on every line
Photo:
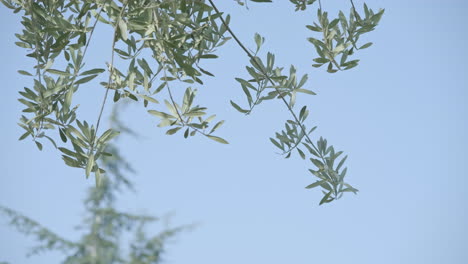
401, 117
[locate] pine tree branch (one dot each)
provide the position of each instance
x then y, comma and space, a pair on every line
49, 240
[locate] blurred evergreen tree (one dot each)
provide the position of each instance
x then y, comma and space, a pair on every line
105, 226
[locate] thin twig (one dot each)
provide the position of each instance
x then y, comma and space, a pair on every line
91, 33
111, 71
184, 123
356, 14
269, 79
354, 8
38, 71
172, 98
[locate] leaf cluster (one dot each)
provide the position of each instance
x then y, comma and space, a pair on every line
340, 37
295, 137
177, 35
266, 81
302, 4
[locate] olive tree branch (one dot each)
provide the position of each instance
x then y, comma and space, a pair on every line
254, 61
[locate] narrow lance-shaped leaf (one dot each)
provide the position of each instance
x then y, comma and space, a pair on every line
315, 184
89, 165
238, 108
217, 139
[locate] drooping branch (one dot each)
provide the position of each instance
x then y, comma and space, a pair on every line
254, 61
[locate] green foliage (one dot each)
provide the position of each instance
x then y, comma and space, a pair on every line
302, 4
265, 77
340, 37
177, 34
295, 136
161, 43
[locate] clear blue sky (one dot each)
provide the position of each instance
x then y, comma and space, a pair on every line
401, 116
